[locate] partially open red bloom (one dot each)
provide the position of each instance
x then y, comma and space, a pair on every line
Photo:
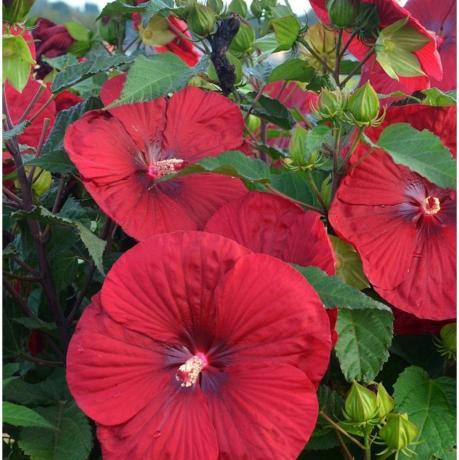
273, 225
440, 18
198, 349
402, 225
389, 11
66, 99
17, 104
121, 153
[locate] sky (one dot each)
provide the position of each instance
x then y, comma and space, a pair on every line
298, 6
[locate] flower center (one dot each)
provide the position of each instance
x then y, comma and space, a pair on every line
431, 205
162, 168
188, 373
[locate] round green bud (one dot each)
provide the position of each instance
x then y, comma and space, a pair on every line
215, 5
266, 4
385, 401
41, 181
343, 13
448, 336
360, 405
201, 20
398, 432
243, 41
239, 7
363, 105
331, 104
253, 123
256, 8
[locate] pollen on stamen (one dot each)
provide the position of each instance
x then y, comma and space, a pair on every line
161, 168
431, 205
188, 373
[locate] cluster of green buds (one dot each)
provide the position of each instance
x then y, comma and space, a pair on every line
303, 150
319, 48
343, 13
362, 107
446, 343
331, 104
260, 7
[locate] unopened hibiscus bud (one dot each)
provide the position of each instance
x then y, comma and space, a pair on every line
398, 432
360, 405
447, 345
215, 5
322, 41
243, 41
331, 104
15, 11
256, 8
239, 7
41, 181
233, 61
156, 32
384, 401
343, 13
302, 156
201, 20
363, 106
253, 123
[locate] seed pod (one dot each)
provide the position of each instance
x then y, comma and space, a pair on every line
331, 104
398, 433
385, 401
243, 41
201, 20
239, 7
363, 105
343, 13
360, 405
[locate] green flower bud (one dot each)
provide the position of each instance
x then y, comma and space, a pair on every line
201, 20
363, 106
398, 433
253, 123
15, 11
243, 41
239, 7
448, 340
41, 181
237, 69
331, 104
156, 32
256, 8
266, 4
323, 42
360, 405
215, 5
385, 401
343, 13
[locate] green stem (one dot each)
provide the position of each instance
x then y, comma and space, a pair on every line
367, 443
315, 189
336, 152
341, 430
338, 57
346, 45
357, 67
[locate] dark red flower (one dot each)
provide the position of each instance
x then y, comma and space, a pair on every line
389, 12
66, 99
406, 324
402, 225
440, 18
121, 152
198, 349
17, 104
52, 40
272, 225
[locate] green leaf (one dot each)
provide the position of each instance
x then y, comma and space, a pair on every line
364, 338
438, 98
334, 293
399, 64
17, 61
71, 440
292, 69
431, 405
293, 184
83, 70
18, 129
119, 8
154, 76
158, 7
271, 110
231, 163
54, 158
348, 264
16, 415
421, 151
78, 31
286, 30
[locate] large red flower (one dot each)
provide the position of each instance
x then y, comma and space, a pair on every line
389, 11
272, 225
440, 17
121, 152
403, 226
198, 349
17, 104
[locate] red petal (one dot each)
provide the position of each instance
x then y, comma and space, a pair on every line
272, 225
268, 312
163, 286
201, 124
264, 411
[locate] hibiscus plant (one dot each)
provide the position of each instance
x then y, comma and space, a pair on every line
229, 231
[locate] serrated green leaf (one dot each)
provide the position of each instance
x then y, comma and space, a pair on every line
431, 405
348, 264
83, 70
119, 8
292, 69
364, 338
16, 415
158, 7
154, 76
231, 163
334, 293
54, 158
438, 98
286, 30
71, 440
421, 151
18, 129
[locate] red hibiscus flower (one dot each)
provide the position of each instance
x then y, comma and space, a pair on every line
272, 225
121, 152
440, 17
53, 40
389, 12
17, 104
198, 349
403, 226
66, 99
